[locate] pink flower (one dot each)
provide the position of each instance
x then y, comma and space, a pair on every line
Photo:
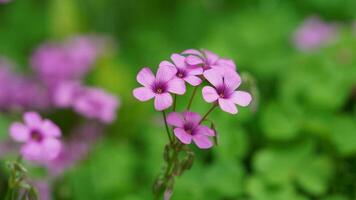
188, 128
94, 103
159, 87
183, 71
40, 137
208, 60
313, 33
224, 92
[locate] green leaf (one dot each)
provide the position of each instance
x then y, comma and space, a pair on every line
343, 135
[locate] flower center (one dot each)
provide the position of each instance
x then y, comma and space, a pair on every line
159, 90
181, 73
189, 128
223, 92
36, 136
159, 87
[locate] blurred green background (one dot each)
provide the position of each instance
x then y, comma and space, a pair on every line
297, 142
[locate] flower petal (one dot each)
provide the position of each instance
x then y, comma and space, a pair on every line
166, 63
192, 117
227, 105
165, 73
143, 93
163, 101
51, 148
241, 98
31, 151
209, 94
175, 119
226, 63
183, 136
195, 70
214, 76
50, 129
145, 77
176, 86
232, 79
194, 60
193, 52
178, 60
193, 80
204, 130
19, 132
32, 119
211, 57
202, 141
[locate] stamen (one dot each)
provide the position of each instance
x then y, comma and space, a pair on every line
159, 90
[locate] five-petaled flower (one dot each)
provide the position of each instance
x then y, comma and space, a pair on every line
159, 87
40, 137
188, 128
224, 92
184, 72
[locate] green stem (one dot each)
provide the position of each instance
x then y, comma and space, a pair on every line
192, 97
166, 125
174, 102
209, 111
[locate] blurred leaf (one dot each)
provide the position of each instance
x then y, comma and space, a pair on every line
260, 190
343, 134
278, 124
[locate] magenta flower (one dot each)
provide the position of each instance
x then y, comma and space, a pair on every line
313, 33
208, 60
224, 92
184, 72
40, 137
188, 128
159, 87
94, 103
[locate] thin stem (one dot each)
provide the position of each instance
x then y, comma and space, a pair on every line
174, 102
209, 111
192, 97
166, 125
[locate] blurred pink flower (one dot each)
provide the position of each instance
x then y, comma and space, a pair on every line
40, 137
92, 103
188, 129
313, 33
208, 60
70, 60
32, 95
224, 92
183, 71
159, 87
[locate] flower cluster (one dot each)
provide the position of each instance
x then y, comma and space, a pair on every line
59, 70
195, 68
